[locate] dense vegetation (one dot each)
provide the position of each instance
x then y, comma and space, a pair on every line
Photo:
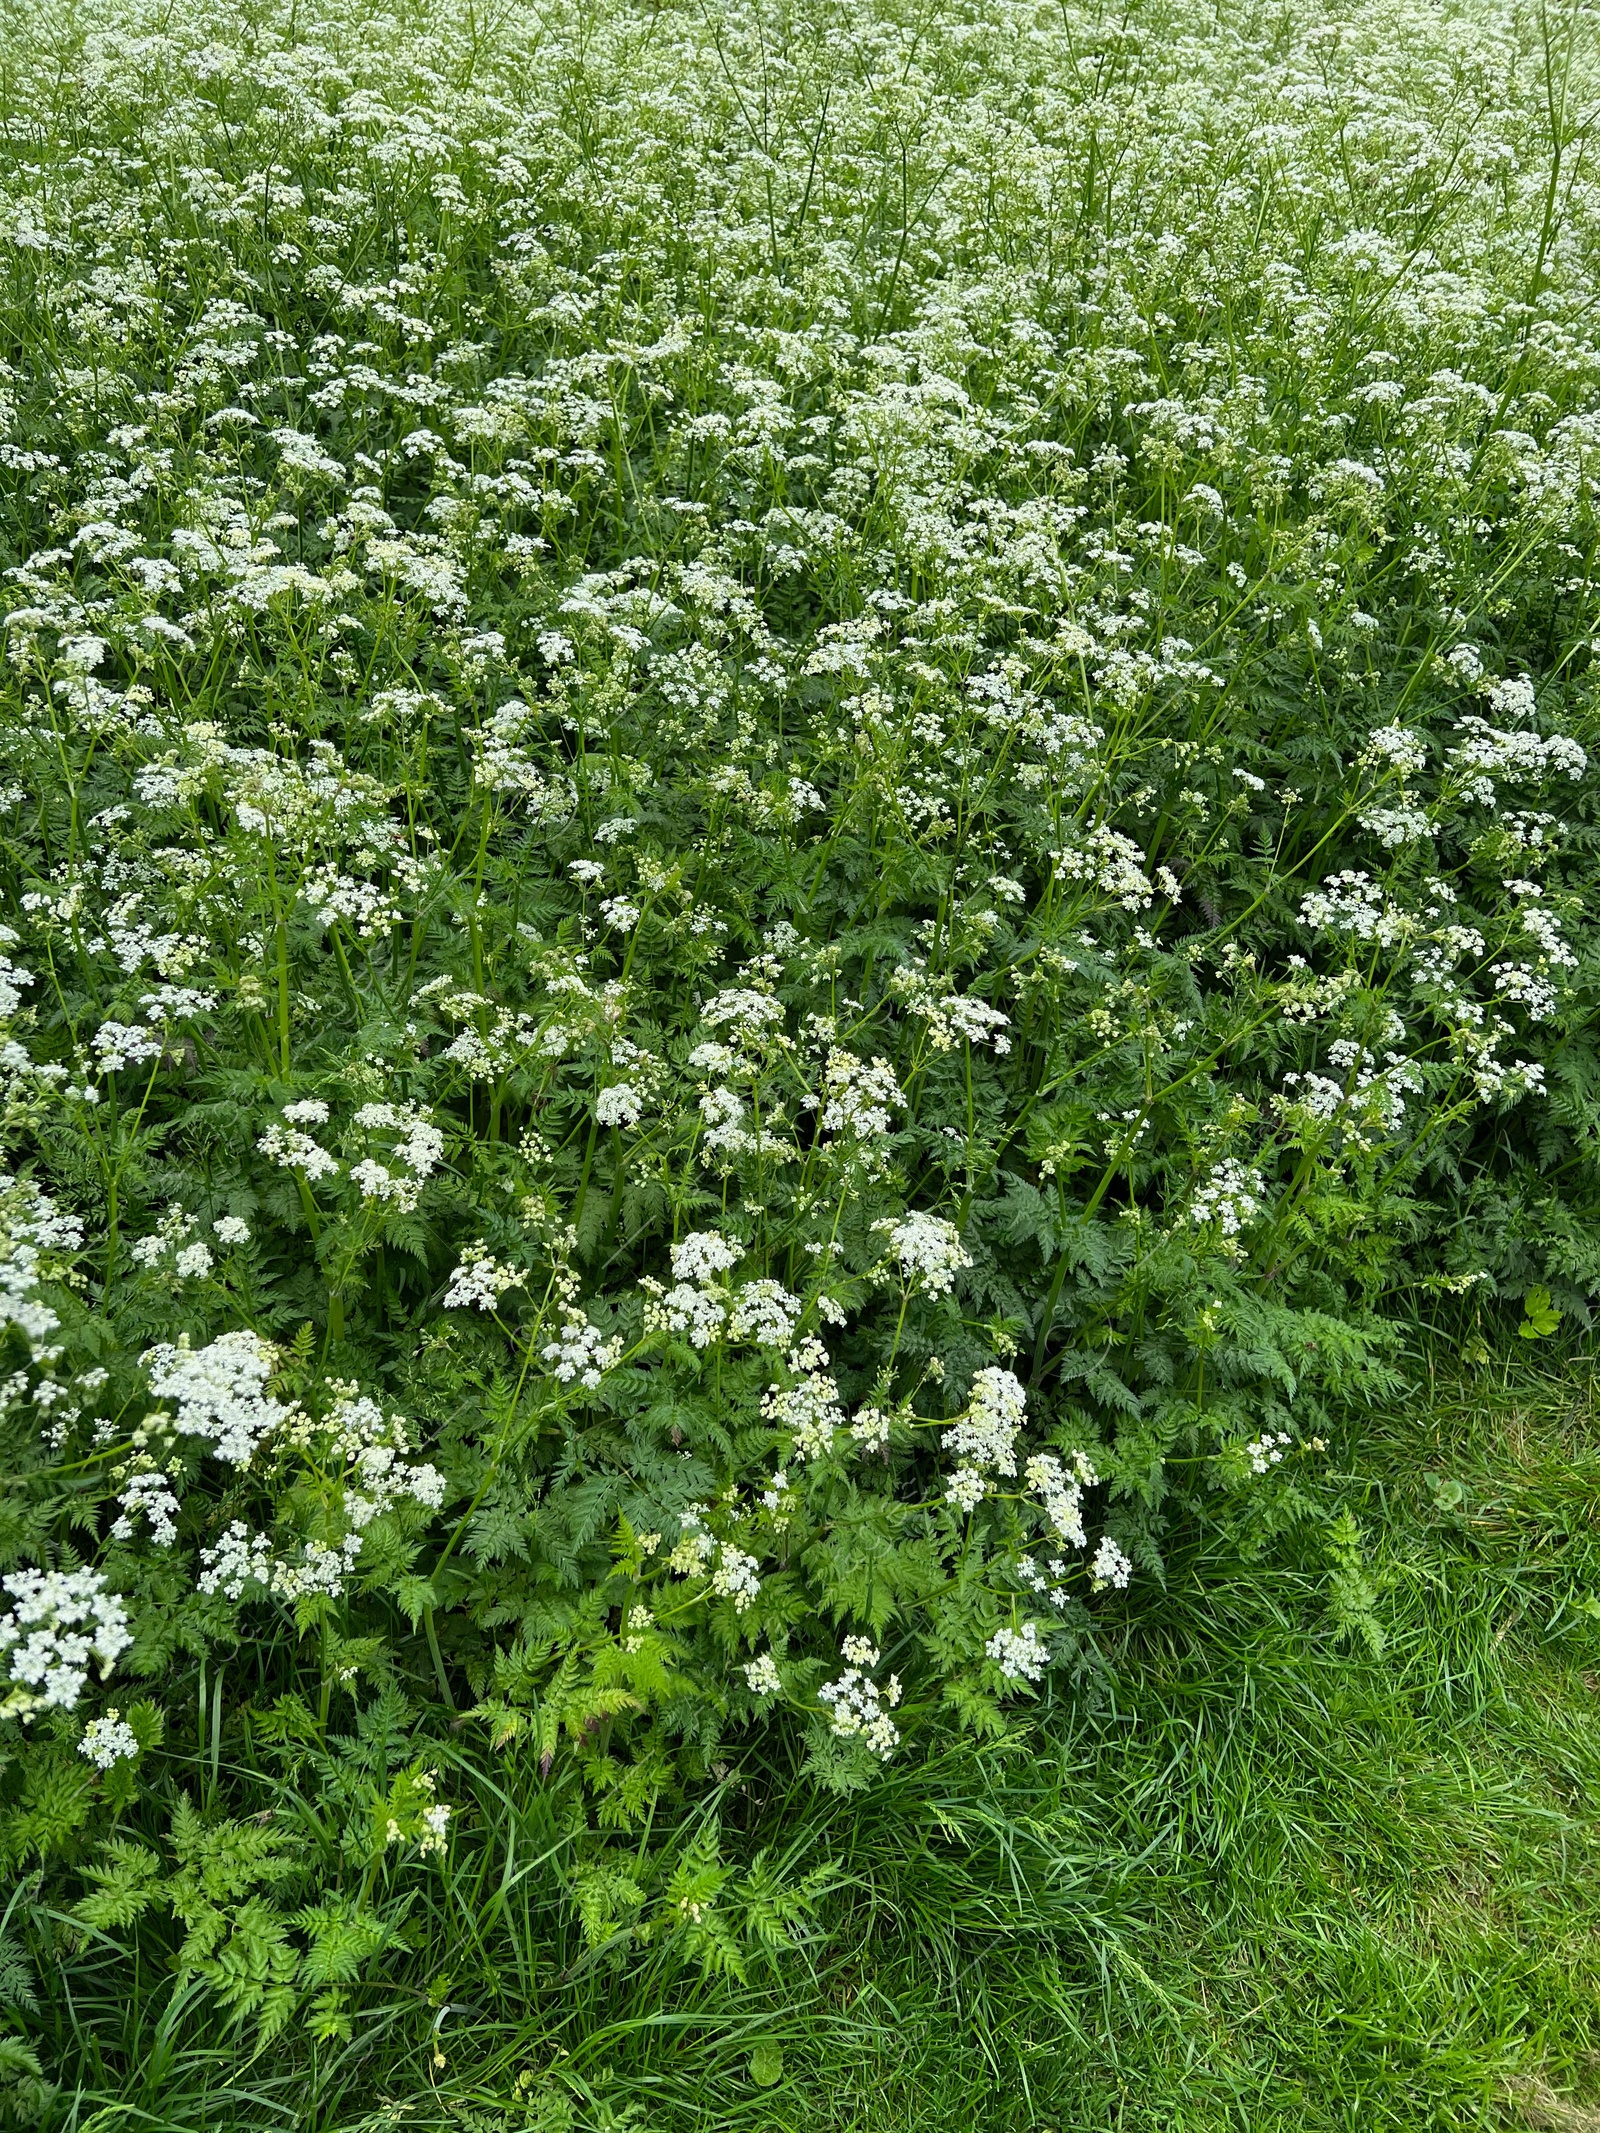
796, 823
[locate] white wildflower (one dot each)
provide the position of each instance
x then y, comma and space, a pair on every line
292, 1150
929, 1250
860, 1708
479, 1281
619, 1105
809, 1411
1230, 1196
1019, 1654
59, 1622
858, 1097
1062, 1492
220, 1391
761, 1674
147, 1494
986, 1434
764, 1312
735, 1577
1110, 1566
109, 1740
581, 1354
966, 1488
702, 1255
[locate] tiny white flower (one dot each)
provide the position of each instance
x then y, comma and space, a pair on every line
1018, 1653
1110, 1566
762, 1676
108, 1740
619, 1105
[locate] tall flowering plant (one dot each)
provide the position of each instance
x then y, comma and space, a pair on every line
741, 940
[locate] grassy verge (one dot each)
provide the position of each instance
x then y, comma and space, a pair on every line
1259, 1879
1271, 1882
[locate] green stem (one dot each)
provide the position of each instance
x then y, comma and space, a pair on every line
439, 1673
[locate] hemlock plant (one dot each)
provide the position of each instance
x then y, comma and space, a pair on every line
795, 813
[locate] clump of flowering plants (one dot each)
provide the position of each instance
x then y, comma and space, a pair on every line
767, 881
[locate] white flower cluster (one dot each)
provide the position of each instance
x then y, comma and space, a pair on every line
171, 1241
809, 1411
726, 1135
699, 1312
1019, 1653
951, 1017
702, 1255
870, 1429
581, 1354
220, 1391
373, 1447
1230, 1196
1395, 826
1542, 926
109, 1740
435, 1828
1397, 745
857, 1097
860, 1707
502, 764
12, 977
750, 1017
929, 1250
966, 1488
1111, 863
480, 1281
147, 1493
1266, 1451
702, 1305
123, 1044
696, 1543
986, 1435
291, 1148
1508, 753
761, 1674
332, 896
486, 1054
1110, 1566
976, 1022
31, 1226
429, 1817
1372, 1098
778, 1498
378, 1475
1062, 1492
1513, 699
735, 1577
1351, 902
619, 1105
412, 1157
59, 1622
242, 1560
764, 1312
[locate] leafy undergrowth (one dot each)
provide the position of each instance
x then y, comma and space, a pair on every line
1259, 1878
797, 823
